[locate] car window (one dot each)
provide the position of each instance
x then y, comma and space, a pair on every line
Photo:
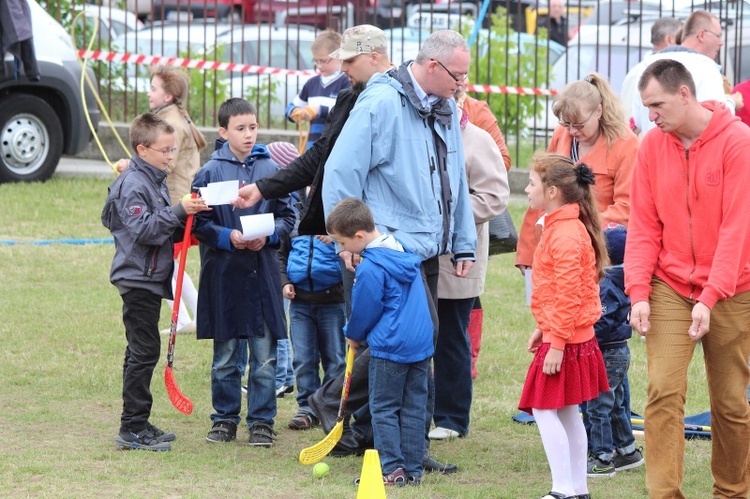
272, 53
741, 63
577, 62
117, 28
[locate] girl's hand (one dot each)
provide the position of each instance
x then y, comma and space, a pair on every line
535, 340
553, 361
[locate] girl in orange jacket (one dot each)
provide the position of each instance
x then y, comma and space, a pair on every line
567, 368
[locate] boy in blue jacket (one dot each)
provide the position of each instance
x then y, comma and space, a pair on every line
311, 280
390, 312
142, 222
239, 297
607, 418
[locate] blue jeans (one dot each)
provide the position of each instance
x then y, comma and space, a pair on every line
453, 384
317, 338
226, 375
284, 371
607, 418
398, 394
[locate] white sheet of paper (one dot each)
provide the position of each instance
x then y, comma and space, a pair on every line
255, 226
217, 193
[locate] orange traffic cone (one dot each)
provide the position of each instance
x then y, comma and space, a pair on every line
371, 480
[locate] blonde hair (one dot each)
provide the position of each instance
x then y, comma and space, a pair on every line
573, 182
594, 90
328, 41
175, 83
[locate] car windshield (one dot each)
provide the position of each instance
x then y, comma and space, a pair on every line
611, 62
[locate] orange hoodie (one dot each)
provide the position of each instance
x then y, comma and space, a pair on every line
565, 298
613, 168
690, 222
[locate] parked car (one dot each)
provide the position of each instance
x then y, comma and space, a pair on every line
41, 120
112, 22
262, 45
141, 8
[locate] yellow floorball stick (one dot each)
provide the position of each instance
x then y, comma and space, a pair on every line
317, 452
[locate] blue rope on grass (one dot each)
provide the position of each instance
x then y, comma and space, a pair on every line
47, 242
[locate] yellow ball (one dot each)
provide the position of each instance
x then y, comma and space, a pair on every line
320, 470
186, 197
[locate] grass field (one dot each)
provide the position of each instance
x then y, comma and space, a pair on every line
61, 374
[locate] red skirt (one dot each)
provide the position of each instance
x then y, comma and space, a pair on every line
581, 378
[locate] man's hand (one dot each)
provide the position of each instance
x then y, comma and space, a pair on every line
350, 259
248, 196
553, 361
639, 314
739, 101
461, 268
288, 291
353, 344
701, 319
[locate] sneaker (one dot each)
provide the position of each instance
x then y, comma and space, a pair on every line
143, 440
303, 421
628, 461
222, 431
441, 433
414, 481
597, 467
164, 436
282, 390
261, 435
395, 478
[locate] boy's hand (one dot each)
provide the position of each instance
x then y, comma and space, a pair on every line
300, 114
353, 344
235, 237
350, 260
288, 291
122, 165
195, 205
256, 244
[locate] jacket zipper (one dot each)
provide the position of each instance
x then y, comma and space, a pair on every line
309, 264
690, 220
152, 262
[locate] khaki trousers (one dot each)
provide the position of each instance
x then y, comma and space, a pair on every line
669, 350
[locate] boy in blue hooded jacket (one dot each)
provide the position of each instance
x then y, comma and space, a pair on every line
239, 297
390, 311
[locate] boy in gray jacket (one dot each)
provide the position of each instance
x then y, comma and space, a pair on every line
138, 214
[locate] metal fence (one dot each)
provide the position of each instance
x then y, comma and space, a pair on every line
265, 45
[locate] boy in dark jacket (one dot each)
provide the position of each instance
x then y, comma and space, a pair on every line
390, 312
239, 297
142, 222
311, 279
607, 418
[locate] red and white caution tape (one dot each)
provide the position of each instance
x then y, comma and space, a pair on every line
499, 89
101, 55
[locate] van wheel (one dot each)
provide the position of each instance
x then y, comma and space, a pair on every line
31, 139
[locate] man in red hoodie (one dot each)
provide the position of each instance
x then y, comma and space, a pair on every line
687, 271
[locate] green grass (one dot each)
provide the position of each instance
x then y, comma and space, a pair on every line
62, 351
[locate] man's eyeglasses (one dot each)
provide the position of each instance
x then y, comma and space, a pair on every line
320, 62
456, 77
717, 35
165, 152
578, 126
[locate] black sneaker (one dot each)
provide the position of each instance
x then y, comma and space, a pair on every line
597, 467
414, 481
261, 435
222, 431
164, 436
628, 461
303, 421
143, 440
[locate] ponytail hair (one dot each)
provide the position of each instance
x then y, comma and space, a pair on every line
574, 184
175, 83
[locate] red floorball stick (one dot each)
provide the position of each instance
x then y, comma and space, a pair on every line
179, 401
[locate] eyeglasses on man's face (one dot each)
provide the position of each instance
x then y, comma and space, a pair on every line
165, 152
456, 77
717, 35
577, 126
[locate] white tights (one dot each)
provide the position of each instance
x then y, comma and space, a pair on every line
565, 443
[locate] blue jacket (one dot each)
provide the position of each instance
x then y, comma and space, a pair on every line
389, 306
613, 328
387, 155
239, 289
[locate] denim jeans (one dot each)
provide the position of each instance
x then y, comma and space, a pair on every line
398, 394
140, 314
317, 338
226, 376
284, 370
453, 385
607, 417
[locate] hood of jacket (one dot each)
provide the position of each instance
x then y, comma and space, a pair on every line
403, 266
223, 153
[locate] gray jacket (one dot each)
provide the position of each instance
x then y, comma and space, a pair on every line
138, 214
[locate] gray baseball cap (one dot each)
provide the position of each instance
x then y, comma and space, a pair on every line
362, 39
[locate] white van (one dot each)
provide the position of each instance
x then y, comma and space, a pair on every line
40, 121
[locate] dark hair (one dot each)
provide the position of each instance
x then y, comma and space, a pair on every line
670, 74
574, 184
348, 217
234, 107
146, 129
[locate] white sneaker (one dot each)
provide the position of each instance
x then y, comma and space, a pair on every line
440, 433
